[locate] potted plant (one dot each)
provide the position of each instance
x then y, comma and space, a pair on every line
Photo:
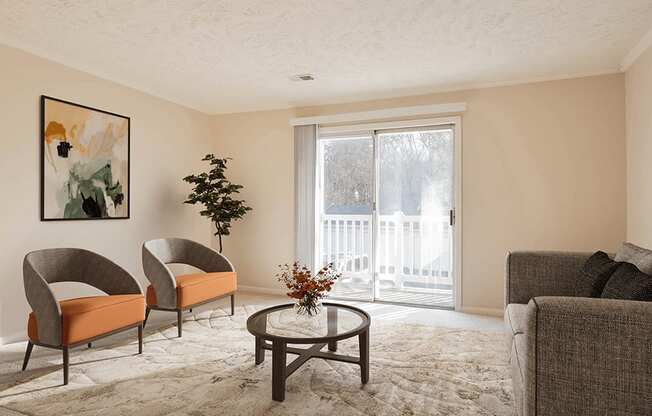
307, 289
216, 193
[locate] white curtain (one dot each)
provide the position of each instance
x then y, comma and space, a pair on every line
305, 155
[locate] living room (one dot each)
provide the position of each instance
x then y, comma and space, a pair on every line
467, 182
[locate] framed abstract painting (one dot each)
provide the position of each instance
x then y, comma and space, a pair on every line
84, 162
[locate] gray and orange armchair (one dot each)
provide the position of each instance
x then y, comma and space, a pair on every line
70, 323
168, 292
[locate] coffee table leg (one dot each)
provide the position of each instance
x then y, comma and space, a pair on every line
260, 351
332, 327
363, 340
279, 357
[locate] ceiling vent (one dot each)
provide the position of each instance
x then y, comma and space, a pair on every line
302, 77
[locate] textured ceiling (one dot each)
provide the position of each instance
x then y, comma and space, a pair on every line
229, 56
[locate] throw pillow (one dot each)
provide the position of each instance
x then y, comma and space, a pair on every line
638, 256
594, 275
629, 283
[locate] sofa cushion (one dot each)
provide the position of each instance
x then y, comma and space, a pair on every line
89, 317
196, 288
594, 275
628, 283
638, 256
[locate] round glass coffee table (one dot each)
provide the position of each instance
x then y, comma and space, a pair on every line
278, 326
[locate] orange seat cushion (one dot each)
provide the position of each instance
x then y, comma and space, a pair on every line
85, 318
196, 288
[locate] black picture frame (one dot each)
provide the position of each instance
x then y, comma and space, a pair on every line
43, 100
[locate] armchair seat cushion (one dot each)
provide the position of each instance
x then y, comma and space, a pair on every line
196, 288
88, 317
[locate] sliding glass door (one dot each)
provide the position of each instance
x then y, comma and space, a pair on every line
386, 210
415, 199
345, 200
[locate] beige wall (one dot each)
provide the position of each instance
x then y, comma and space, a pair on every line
263, 153
639, 150
167, 141
543, 168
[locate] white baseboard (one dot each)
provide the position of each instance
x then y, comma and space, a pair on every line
483, 311
470, 310
265, 290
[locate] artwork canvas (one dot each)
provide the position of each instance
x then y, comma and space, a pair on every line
84, 162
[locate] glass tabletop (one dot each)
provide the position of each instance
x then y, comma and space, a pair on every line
283, 321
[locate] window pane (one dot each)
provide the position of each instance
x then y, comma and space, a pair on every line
414, 239
346, 184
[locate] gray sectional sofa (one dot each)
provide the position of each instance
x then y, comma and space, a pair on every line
572, 356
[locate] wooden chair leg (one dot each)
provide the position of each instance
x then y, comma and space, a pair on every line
147, 311
140, 338
179, 322
232, 305
28, 353
66, 365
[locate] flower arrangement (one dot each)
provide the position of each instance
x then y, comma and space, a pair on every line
306, 288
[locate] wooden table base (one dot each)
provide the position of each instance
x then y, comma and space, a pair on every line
281, 371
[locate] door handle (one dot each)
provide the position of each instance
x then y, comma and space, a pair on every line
451, 217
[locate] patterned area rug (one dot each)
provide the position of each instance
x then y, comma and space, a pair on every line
415, 370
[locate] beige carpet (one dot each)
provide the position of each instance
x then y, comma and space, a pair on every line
415, 370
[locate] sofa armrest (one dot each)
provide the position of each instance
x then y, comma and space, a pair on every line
588, 356
541, 273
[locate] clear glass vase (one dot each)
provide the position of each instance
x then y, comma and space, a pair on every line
308, 306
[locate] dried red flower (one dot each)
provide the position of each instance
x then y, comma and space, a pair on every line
301, 282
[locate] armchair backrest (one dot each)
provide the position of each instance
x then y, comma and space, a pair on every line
79, 265
183, 251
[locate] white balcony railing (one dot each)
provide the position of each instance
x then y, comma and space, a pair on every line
412, 251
